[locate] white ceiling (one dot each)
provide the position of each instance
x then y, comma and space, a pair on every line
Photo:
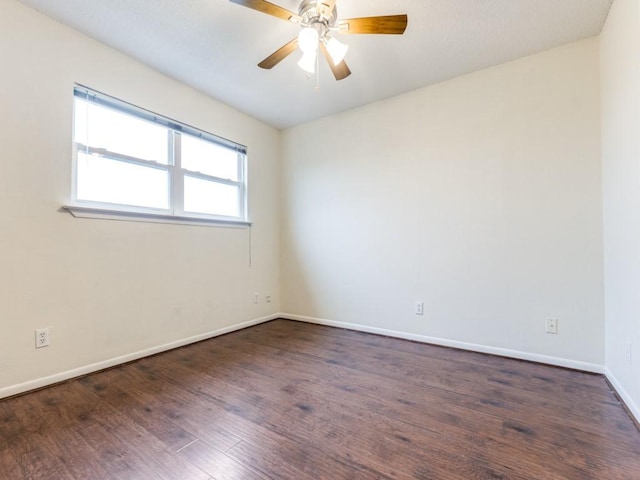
215, 45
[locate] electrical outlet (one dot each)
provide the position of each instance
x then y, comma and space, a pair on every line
551, 325
267, 299
419, 308
256, 297
42, 337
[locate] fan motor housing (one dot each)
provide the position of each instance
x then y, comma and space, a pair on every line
314, 12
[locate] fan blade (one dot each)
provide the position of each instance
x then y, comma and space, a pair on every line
269, 8
390, 24
340, 71
279, 55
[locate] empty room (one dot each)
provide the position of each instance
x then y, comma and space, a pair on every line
320, 239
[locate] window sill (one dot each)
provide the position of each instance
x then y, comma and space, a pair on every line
106, 214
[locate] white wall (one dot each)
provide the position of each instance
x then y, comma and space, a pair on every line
108, 288
480, 196
620, 69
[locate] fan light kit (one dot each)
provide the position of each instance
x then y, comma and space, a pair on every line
318, 20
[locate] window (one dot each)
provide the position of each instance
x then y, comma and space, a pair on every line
129, 160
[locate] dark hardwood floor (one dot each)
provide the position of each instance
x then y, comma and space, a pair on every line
287, 400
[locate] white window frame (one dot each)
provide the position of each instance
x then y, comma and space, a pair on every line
175, 213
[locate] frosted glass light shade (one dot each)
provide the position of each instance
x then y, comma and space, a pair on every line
308, 62
308, 40
337, 50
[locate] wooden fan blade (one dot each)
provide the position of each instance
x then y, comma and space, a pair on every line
390, 24
279, 55
340, 71
269, 8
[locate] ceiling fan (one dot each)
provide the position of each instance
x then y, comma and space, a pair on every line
318, 20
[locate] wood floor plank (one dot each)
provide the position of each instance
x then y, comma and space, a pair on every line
251, 405
116, 457
241, 417
460, 381
177, 406
516, 427
280, 458
30, 460
329, 427
163, 462
139, 405
29, 447
218, 464
352, 380
62, 440
293, 401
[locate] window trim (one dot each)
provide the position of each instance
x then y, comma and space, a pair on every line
175, 213
131, 215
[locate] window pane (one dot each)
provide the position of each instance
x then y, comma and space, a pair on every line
103, 180
208, 158
202, 196
101, 127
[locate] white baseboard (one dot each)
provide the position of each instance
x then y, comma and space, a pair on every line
94, 367
503, 352
112, 362
626, 398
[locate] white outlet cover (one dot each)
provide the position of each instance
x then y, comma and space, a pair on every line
42, 337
